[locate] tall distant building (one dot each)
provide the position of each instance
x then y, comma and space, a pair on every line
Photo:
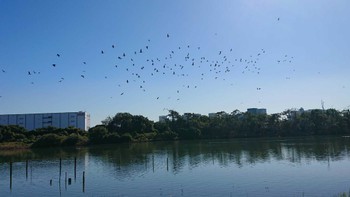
80, 120
256, 111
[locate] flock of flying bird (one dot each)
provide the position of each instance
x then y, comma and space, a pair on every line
183, 64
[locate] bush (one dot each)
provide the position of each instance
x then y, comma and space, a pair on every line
74, 140
126, 137
113, 138
167, 135
48, 140
98, 135
145, 136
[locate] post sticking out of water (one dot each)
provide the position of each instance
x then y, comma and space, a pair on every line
83, 181
153, 162
27, 169
75, 168
10, 175
167, 164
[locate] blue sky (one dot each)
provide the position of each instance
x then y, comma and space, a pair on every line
293, 62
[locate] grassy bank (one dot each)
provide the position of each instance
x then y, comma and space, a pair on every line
14, 145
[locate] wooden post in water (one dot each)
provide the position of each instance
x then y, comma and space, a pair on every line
153, 162
10, 175
167, 164
27, 169
83, 181
75, 168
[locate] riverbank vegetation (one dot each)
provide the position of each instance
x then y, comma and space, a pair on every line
124, 127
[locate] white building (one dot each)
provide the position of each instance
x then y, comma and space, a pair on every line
80, 120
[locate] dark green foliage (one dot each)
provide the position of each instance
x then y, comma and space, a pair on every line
48, 140
167, 135
126, 123
224, 125
124, 127
113, 138
74, 140
126, 137
98, 135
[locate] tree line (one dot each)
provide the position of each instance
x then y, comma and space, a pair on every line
125, 127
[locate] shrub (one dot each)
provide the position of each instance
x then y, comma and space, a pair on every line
98, 135
74, 140
126, 137
167, 135
48, 140
113, 138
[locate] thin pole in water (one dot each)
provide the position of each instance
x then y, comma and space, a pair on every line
10, 175
153, 162
75, 168
27, 169
83, 181
167, 164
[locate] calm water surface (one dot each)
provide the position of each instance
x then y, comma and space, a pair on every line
240, 167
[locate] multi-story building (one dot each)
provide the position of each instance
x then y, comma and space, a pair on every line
256, 111
80, 120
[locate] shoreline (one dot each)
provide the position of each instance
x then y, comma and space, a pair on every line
13, 146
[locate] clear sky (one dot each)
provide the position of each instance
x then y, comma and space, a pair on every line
203, 56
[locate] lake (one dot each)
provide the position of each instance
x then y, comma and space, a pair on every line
240, 167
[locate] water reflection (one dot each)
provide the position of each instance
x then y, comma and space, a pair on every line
126, 161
